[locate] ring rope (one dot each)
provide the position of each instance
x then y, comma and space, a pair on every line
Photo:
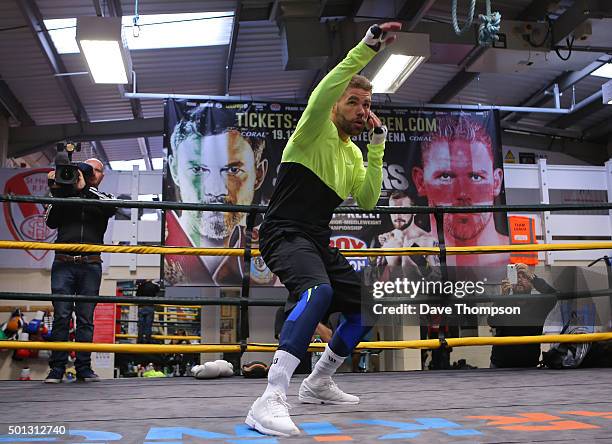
280, 302
169, 205
139, 300
163, 305
161, 337
316, 346
366, 252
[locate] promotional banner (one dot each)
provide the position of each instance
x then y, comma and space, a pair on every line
25, 221
228, 152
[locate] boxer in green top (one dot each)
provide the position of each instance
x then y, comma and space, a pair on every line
320, 168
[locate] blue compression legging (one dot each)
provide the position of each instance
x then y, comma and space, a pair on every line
308, 312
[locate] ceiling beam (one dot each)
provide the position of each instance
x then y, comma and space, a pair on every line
543, 130
354, 8
34, 19
231, 50
337, 47
599, 131
145, 152
143, 142
578, 13
462, 79
258, 11
26, 140
97, 7
564, 81
576, 116
13, 106
100, 152
538, 10
413, 12
35, 22
115, 10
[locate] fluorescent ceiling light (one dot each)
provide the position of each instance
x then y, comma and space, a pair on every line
101, 42
393, 65
603, 71
127, 165
104, 61
156, 31
157, 163
394, 72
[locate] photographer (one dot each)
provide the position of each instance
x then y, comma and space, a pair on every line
528, 323
71, 273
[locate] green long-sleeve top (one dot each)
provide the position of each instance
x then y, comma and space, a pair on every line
319, 170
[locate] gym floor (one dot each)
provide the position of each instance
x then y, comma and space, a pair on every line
472, 406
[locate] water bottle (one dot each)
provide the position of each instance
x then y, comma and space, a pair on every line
316, 355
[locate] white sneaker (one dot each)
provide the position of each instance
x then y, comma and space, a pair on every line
270, 416
327, 392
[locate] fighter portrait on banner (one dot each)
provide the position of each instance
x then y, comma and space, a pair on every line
211, 160
451, 159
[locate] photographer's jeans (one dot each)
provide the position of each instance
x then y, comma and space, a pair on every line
70, 279
145, 324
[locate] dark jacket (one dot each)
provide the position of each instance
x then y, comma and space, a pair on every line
533, 313
84, 224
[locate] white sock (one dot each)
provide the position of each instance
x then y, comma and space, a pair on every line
326, 366
280, 372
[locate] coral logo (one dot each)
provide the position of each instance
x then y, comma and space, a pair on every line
26, 221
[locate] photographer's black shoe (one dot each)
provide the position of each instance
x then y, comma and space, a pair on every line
55, 376
87, 375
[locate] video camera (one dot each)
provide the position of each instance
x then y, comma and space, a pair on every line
67, 171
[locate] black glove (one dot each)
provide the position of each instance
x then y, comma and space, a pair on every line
375, 38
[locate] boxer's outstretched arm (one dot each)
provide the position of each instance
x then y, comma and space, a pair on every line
328, 91
332, 86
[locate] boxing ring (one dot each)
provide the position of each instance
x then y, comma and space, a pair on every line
476, 405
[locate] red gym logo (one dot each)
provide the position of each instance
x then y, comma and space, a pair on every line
26, 221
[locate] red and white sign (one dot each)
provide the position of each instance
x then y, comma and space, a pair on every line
25, 221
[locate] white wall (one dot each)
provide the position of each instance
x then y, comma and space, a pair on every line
551, 157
